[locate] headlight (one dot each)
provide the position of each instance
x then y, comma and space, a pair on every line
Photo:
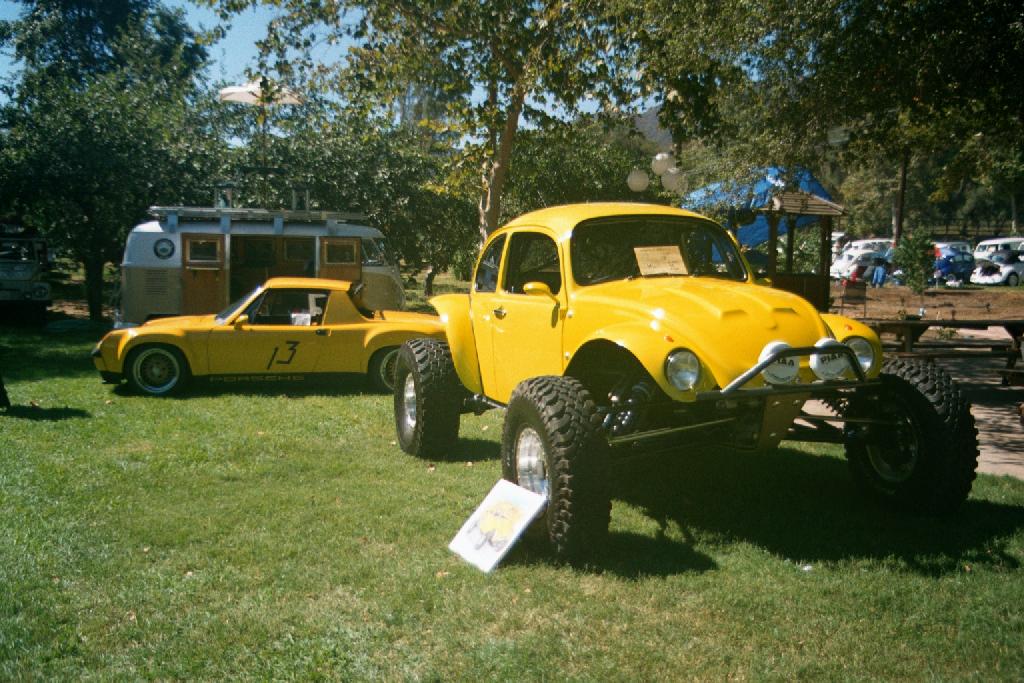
864, 351
682, 368
829, 366
782, 371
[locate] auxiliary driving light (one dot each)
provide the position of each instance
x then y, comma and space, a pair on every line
783, 370
829, 366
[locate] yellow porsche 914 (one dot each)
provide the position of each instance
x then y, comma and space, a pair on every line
286, 329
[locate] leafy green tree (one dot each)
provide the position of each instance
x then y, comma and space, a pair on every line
768, 82
495, 63
395, 174
915, 256
584, 160
104, 121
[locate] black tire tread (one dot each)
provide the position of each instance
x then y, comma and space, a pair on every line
949, 439
579, 509
439, 397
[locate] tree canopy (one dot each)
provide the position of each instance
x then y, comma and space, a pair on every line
104, 121
492, 64
771, 82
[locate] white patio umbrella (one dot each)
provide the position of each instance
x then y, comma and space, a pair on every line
252, 93
259, 94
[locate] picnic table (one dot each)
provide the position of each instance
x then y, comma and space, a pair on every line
908, 340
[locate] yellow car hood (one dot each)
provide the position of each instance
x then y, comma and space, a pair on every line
725, 323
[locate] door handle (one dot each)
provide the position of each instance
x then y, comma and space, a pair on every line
500, 312
323, 332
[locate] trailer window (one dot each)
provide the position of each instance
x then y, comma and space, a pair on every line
372, 253
204, 251
340, 253
385, 250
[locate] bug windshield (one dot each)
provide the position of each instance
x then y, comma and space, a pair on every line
651, 246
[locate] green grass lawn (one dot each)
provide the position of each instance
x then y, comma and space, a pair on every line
256, 534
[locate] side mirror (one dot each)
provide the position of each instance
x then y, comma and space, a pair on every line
241, 320
538, 289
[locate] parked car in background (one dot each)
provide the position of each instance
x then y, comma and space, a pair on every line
959, 245
284, 330
1003, 267
986, 247
953, 265
853, 265
882, 244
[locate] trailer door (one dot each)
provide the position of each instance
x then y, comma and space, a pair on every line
340, 258
203, 288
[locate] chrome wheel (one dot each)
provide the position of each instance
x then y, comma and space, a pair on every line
531, 470
156, 370
409, 401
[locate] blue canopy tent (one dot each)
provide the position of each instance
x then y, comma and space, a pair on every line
766, 209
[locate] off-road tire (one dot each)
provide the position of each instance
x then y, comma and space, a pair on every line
156, 370
562, 413
926, 464
428, 422
381, 370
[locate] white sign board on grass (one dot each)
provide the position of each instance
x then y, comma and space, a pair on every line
493, 528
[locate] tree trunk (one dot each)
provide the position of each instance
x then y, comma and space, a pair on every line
428, 281
1013, 213
900, 200
94, 286
497, 173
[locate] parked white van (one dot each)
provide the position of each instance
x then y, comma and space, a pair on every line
986, 247
195, 260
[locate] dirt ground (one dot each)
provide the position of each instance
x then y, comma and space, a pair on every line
940, 303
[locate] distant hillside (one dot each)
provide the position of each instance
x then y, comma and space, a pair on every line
647, 124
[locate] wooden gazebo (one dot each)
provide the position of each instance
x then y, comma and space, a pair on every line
794, 203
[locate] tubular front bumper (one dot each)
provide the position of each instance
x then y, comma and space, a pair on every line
756, 417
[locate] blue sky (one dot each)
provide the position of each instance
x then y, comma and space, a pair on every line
229, 57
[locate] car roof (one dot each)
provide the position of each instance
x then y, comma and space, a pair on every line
1001, 240
567, 216
307, 283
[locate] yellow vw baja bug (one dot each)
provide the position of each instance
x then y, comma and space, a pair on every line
607, 328
285, 329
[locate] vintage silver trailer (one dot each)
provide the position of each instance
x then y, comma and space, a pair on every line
195, 260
